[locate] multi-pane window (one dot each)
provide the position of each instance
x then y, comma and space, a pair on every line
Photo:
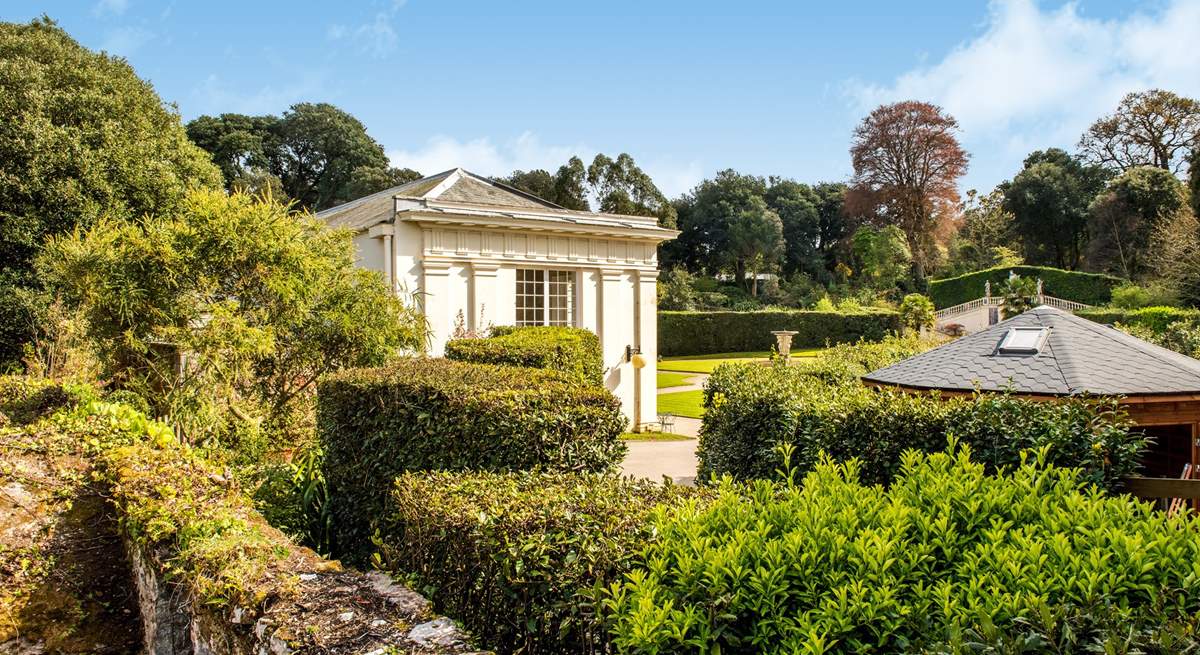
545, 297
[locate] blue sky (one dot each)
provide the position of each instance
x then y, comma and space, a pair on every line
687, 88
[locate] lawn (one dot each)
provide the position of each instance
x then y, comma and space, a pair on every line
654, 436
682, 403
706, 363
672, 379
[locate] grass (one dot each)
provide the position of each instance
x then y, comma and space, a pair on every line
682, 403
706, 363
654, 436
672, 379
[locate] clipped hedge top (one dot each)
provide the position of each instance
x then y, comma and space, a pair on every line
574, 351
1088, 288
454, 376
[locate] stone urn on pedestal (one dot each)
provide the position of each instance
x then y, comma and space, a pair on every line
783, 340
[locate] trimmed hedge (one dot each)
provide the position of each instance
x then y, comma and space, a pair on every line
948, 559
750, 410
1088, 288
438, 414
702, 333
574, 351
519, 557
1156, 319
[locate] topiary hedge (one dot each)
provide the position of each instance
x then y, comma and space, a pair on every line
574, 351
750, 410
948, 559
1088, 288
701, 333
518, 556
438, 414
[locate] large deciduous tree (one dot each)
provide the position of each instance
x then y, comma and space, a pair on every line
262, 300
1049, 200
81, 136
1126, 215
882, 255
1194, 178
316, 154
907, 162
1150, 128
715, 205
986, 236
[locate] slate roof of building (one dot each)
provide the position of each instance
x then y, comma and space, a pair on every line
1078, 356
453, 186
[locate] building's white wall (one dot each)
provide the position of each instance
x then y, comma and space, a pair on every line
368, 252
474, 272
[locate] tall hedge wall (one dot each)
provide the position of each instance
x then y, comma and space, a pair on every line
438, 414
574, 351
1089, 288
702, 333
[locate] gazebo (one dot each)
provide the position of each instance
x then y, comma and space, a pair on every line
1046, 353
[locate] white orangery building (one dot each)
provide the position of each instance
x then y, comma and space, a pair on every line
475, 250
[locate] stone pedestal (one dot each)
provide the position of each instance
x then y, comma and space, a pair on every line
783, 339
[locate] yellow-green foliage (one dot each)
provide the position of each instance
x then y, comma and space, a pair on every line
949, 559
211, 539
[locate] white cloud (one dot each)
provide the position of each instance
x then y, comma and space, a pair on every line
487, 157
376, 37
114, 7
125, 41
1037, 78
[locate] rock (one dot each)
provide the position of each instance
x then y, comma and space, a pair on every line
402, 598
438, 632
346, 616
308, 577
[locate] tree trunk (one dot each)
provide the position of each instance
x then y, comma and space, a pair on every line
740, 272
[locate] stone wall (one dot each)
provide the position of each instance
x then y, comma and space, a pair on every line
333, 611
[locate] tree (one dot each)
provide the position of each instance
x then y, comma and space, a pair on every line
623, 188
796, 205
756, 239
1049, 200
81, 136
675, 291
1125, 216
882, 255
714, 206
1194, 178
261, 300
986, 235
1177, 264
917, 312
907, 162
321, 155
1149, 128
834, 226
1019, 294
565, 188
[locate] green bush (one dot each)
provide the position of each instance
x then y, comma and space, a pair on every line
750, 410
574, 351
1088, 288
948, 559
917, 312
1156, 319
438, 414
701, 333
25, 400
517, 557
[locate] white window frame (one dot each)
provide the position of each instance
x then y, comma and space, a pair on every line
543, 278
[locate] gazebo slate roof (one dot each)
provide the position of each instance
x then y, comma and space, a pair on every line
1079, 356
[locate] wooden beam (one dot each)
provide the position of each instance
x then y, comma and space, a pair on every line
1161, 487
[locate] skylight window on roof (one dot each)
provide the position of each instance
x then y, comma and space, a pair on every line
1023, 341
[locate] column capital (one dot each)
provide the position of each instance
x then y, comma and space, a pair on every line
485, 269
610, 274
435, 268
